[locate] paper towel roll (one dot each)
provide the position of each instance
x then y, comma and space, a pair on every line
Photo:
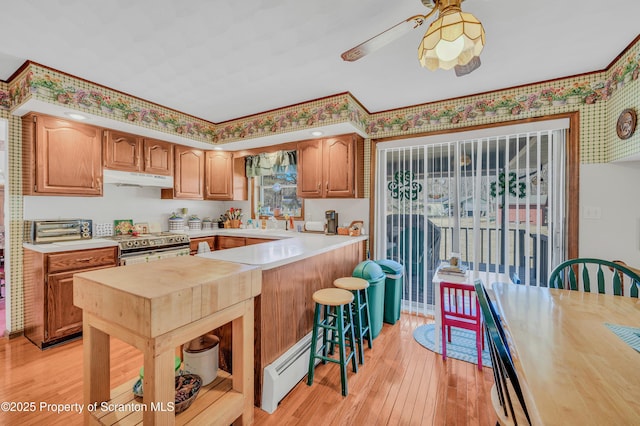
314, 226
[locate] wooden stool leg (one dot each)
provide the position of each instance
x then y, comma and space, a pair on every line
352, 344
368, 318
357, 323
314, 339
330, 320
327, 336
342, 350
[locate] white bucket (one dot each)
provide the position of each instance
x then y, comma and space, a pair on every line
200, 357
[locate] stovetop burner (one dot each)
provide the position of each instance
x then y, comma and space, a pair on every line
150, 241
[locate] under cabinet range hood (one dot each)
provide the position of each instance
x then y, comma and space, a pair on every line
120, 178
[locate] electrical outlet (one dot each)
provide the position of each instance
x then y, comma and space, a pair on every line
591, 212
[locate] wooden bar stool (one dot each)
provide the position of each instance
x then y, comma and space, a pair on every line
337, 320
360, 308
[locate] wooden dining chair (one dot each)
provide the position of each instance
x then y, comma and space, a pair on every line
510, 410
607, 276
459, 308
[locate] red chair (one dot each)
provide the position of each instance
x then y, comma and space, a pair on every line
459, 307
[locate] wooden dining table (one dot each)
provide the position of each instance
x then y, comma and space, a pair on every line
573, 368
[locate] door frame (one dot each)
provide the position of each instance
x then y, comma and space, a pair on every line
572, 172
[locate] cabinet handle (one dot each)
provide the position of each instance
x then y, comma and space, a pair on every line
319, 184
327, 185
85, 259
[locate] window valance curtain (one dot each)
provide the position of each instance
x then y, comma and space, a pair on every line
271, 163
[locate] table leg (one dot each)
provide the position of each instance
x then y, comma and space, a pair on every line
437, 339
242, 361
159, 387
96, 367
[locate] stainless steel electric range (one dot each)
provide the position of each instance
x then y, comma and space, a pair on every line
151, 247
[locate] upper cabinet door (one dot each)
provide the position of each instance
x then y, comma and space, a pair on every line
338, 165
331, 167
310, 184
219, 175
189, 176
122, 151
67, 157
158, 157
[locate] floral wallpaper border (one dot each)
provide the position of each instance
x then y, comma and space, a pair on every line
534, 100
57, 88
331, 110
540, 99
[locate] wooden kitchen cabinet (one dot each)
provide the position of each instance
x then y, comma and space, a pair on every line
50, 315
60, 157
194, 242
122, 151
218, 175
310, 169
158, 157
225, 242
131, 153
250, 241
188, 181
331, 167
63, 319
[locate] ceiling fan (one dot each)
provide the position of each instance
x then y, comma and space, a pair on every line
454, 40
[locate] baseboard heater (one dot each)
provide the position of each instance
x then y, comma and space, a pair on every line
284, 373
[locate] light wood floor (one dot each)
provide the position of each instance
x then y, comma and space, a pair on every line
401, 383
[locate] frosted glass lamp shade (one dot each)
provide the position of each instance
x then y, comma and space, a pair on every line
452, 39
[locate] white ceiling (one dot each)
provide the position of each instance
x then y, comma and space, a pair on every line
224, 59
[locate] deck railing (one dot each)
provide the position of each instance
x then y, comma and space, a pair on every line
520, 260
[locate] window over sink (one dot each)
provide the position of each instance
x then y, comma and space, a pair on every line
274, 178
277, 195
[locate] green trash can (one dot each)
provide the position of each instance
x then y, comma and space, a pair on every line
392, 289
371, 271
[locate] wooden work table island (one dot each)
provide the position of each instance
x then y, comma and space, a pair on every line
156, 307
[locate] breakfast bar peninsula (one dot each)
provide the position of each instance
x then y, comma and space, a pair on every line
293, 266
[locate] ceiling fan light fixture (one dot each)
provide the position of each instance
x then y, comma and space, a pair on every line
455, 38
449, 50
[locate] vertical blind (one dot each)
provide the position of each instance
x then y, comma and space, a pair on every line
498, 201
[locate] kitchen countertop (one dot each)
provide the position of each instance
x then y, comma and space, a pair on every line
71, 245
289, 247
275, 234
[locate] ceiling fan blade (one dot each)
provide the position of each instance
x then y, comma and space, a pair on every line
384, 38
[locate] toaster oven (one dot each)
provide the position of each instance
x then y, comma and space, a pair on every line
50, 231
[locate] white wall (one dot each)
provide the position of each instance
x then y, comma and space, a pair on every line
138, 204
610, 191
348, 210
145, 205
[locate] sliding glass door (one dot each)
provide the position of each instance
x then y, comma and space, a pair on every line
497, 200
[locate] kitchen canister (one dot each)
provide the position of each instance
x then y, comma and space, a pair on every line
201, 357
176, 224
195, 224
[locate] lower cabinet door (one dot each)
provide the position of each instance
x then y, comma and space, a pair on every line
63, 317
